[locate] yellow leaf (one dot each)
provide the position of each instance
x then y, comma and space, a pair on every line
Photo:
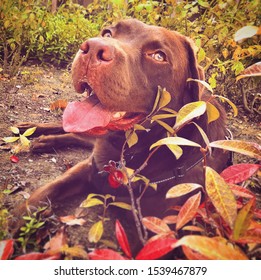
75, 252
131, 138
212, 112
203, 134
176, 150
25, 142
29, 131
182, 189
221, 196
14, 129
122, 205
91, 202
175, 141
166, 126
234, 107
189, 112
164, 99
211, 248
95, 232
10, 139
246, 148
204, 83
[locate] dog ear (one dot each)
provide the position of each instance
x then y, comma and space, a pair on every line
195, 89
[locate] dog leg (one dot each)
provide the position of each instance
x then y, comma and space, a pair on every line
46, 143
73, 181
42, 128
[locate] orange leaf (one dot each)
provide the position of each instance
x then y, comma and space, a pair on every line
241, 192
155, 225
221, 196
251, 236
192, 255
56, 243
212, 248
188, 210
58, 104
182, 189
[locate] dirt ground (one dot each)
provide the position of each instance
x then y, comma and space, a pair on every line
27, 98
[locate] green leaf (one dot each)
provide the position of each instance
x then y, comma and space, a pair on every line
122, 205
10, 139
243, 219
189, 112
201, 55
29, 131
14, 129
96, 232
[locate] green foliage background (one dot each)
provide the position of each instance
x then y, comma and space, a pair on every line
28, 30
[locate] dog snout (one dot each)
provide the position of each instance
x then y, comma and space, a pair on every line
98, 50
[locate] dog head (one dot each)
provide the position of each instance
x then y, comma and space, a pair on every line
121, 71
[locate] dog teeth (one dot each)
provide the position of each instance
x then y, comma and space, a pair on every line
118, 115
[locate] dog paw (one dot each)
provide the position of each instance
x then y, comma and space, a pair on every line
44, 143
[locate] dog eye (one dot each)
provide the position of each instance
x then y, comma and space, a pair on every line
159, 56
106, 33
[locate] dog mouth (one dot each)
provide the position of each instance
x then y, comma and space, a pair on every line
92, 117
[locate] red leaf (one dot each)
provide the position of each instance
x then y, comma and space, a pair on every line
241, 192
6, 249
105, 254
122, 239
38, 256
14, 159
156, 249
240, 172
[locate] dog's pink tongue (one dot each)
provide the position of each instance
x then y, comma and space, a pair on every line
85, 115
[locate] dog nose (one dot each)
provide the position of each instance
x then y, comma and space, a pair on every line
98, 50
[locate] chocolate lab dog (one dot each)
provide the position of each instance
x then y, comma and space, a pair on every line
121, 71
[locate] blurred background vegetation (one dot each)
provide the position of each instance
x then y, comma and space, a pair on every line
50, 31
